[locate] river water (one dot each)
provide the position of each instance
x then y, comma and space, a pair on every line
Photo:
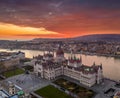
111, 65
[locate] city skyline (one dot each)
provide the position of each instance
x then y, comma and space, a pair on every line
28, 19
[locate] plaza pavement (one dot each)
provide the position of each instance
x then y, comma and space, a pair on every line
101, 88
29, 82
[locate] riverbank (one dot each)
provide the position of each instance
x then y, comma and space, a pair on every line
84, 53
98, 54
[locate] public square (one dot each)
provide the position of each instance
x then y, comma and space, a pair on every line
28, 82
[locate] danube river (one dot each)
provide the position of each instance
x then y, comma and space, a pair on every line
111, 65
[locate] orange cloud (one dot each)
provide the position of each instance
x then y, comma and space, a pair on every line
13, 31
10, 29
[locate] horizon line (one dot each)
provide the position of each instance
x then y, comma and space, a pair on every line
56, 37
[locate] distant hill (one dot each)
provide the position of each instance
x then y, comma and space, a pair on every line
94, 37
99, 37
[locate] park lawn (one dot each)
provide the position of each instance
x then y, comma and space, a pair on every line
51, 92
11, 73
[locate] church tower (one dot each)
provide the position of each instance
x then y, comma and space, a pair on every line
60, 54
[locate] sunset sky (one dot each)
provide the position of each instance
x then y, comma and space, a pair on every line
28, 19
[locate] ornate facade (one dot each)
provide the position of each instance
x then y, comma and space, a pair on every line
72, 67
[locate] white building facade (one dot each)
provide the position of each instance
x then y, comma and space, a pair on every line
72, 67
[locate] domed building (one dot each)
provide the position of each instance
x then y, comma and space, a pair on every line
50, 68
60, 54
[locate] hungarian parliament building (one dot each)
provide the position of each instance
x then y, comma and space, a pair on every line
49, 67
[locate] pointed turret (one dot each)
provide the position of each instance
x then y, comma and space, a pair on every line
80, 59
101, 66
94, 64
74, 57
